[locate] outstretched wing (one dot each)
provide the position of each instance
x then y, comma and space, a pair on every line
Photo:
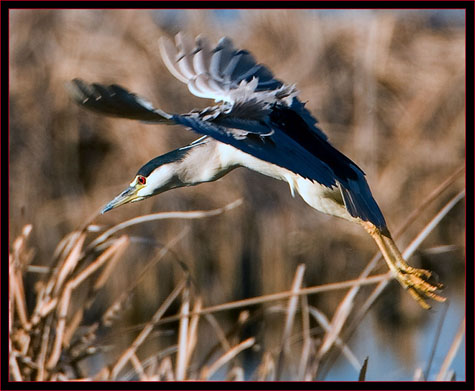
216, 73
115, 101
227, 74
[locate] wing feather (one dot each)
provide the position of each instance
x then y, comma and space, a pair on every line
202, 55
220, 71
170, 58
114, 100
184, 60
245, 64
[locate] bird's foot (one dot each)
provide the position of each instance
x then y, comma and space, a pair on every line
405, 268
414, 280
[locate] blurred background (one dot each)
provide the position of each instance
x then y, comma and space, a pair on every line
388, 88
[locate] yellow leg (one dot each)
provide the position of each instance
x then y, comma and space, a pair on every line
409, 277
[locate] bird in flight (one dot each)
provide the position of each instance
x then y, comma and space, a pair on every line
258, 122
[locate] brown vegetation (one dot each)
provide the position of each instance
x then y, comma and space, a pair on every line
387, 88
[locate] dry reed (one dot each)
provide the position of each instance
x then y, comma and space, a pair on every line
125, 297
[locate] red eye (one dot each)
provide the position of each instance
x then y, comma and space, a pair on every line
142, 180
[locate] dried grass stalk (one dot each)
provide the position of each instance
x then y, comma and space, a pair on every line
444, 373
307, 340
208, 372
66, 296
289, 320
183, 336
124, 358
323, 321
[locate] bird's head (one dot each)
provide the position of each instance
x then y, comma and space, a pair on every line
155, 177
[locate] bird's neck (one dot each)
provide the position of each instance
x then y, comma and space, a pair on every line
205, 162
212, 160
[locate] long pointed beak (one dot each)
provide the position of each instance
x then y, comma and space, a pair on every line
128, 195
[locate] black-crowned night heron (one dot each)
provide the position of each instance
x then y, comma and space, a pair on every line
260, 124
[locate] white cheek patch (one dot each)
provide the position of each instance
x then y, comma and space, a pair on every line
156, 180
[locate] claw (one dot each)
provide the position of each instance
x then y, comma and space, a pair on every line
414, 293
417, 272
420, 289
436, 297
417, 284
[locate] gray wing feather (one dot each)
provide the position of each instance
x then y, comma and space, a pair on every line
207, 85
202, 55
245, 64
231, 66
170, 58
184, 60
216, 73
222, 55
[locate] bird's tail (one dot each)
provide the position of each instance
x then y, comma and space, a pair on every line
415, 281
